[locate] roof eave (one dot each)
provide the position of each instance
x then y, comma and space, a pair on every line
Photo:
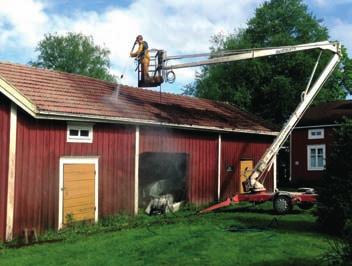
134, 121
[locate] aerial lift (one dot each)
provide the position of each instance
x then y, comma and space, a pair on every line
255, 191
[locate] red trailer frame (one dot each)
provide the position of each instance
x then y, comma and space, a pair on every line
283, 201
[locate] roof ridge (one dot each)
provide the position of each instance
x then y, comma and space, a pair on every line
117, 84
56, 71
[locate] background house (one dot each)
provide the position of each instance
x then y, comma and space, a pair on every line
81, 148
312, 138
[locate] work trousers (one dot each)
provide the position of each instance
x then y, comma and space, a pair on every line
145, 67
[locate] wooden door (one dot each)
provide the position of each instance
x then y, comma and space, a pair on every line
246, 167
78, 192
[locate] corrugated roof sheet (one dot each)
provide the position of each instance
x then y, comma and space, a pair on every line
327, 113
53, 91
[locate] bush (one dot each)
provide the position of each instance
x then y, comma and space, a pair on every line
340, 252
335, 189
335, 197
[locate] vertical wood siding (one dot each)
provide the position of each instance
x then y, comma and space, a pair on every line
202, 153
4, 153
300, 141
237, 147
40, 144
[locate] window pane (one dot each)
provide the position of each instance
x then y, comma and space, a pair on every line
84, 133
320, 152
320, 161
313, 161
312, 152
74, 132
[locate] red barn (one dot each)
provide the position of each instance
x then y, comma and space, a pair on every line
312, 139
78, 148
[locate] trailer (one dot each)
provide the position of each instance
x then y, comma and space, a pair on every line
283, 201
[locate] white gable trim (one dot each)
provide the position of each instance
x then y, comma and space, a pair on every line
17, 97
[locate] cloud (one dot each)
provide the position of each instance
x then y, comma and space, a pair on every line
338, 31
180, 27
329, 3
22, 23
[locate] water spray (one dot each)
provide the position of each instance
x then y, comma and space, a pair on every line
124, 68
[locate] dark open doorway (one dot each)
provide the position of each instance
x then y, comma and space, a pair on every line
162, 173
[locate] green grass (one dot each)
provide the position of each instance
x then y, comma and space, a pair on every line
184, 239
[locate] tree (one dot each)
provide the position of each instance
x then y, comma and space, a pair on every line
335, 195
271, 87
74, 53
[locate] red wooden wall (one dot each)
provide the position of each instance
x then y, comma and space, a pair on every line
234, 149
4, 153
300, 173
202, 150
40, 144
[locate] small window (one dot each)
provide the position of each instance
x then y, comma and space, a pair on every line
316, 157
316, 133
79, 133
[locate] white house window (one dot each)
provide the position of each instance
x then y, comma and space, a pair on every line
80, 133
316, 133
316, 157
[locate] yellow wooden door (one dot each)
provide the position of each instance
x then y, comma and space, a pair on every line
246, 167
79, 192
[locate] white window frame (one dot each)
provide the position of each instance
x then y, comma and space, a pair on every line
79, 127
318, 168
77, 160
311, 136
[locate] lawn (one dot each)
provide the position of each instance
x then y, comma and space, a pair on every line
258, 238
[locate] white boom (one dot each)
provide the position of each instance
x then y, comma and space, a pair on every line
253, 183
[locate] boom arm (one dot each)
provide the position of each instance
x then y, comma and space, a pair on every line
245, 54
253, 182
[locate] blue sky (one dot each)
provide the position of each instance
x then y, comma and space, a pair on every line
180, 27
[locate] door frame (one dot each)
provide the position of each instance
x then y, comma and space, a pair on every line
243, 160
77, 160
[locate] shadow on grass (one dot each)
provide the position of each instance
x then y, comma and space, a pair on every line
255, 209
297, 261
267, 218
279, 223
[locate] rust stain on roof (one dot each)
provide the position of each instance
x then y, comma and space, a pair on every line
59, 92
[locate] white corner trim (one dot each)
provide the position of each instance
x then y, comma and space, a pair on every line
136, 172
11, 173
290, 177
219, 166
77, 160
275, 172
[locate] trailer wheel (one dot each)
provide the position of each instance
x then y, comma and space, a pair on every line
305, 205
282, 204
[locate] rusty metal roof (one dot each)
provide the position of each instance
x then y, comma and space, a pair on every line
54, 92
